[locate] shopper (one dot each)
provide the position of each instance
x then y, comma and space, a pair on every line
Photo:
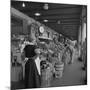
32, 79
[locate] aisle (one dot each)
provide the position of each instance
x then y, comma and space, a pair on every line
73, 75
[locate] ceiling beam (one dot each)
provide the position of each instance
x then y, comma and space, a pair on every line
54, 14
73, 22
42, 9
61, 18
50, 23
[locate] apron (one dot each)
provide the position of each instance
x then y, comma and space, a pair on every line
32, 77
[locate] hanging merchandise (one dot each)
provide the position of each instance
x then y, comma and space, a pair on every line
33, 31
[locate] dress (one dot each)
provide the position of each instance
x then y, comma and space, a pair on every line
32, 77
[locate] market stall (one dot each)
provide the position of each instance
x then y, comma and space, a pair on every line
55, 52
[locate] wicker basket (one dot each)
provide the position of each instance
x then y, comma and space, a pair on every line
59, 70
46, 76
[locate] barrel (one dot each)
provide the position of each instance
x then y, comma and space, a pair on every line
59, 70
46, 78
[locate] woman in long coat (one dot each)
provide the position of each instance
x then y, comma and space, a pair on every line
32, 78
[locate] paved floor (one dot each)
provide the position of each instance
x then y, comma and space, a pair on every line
73, 75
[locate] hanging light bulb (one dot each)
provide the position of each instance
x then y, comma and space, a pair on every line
45, 20
45, 6
37, 14
23, 4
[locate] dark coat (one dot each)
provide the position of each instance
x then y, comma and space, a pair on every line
29, 51
32, 78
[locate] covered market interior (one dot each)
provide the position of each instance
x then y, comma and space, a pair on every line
59, 31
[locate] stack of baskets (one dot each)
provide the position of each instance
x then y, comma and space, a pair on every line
59, 67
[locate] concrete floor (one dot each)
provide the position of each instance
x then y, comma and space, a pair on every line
73, 75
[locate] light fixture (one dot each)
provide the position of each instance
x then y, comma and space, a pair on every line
45, 6
23, 4
45, 20
37, 14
